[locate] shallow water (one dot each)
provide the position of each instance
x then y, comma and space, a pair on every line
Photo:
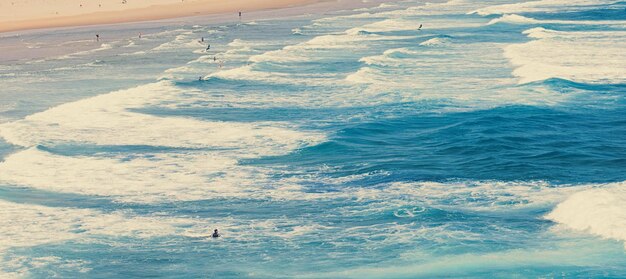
490, 143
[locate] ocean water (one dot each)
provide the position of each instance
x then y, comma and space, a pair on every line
490, 143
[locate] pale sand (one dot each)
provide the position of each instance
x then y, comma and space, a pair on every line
18, 15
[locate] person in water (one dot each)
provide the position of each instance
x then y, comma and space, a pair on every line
215, 233
97, 37
208, 47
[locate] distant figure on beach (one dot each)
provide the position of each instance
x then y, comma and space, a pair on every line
240, 15
215, 234
208, 47
139, 35
419, 28
97, 37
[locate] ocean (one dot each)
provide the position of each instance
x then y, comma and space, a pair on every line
488, 143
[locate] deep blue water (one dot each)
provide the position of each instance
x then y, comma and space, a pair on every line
343, 145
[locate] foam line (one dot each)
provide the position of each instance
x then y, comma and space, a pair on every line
588, 57
105, 120
539, 6
519, 19
600, 211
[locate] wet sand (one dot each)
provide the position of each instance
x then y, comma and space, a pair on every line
36, 14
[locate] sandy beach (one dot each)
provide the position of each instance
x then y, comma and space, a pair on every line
36, 14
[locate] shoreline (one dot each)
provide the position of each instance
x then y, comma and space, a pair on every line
18, 45
151, 13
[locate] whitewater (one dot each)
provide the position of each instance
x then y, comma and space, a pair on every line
490, 143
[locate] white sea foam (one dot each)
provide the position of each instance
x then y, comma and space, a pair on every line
435, 72
435, 42
410, 24
241, 43
185, 40
514, 19
149, 178
102, 47
518, 19
469, 195
19, 266
198, 65
456, 195
23, 225
592, 57
248, 73
296, 31
330, 21
314, 49
600, 211
27, 225
163, 34
386, 5
539, 6
329, 46
155, 178
34, 45
440, 8
392, 24
240, 49
106, 121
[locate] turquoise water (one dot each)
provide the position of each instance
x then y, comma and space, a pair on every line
490, 143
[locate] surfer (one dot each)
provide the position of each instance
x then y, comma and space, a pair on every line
215, 234
419, 28
97, 37
208, 47
240, 16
